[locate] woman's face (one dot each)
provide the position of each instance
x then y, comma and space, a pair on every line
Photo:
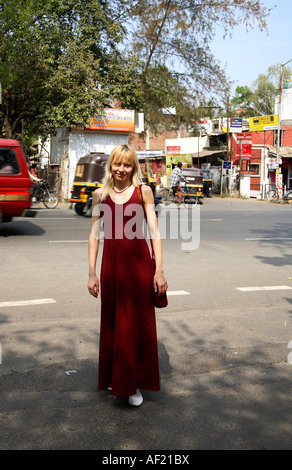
122, 171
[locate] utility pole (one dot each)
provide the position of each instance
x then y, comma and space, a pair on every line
227, 134
279, 120
228, 182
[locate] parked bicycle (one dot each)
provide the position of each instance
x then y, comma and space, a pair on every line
273, 196
42, 193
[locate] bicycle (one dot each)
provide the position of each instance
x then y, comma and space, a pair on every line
191, 197
273, 196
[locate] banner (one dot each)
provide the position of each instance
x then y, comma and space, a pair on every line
235, 125
244, 146
263, 123
122, 120
173, 149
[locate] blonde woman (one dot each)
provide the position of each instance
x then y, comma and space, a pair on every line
128, 355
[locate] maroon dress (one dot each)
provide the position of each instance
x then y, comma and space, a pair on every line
128, 354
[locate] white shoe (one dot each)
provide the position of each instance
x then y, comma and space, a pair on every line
137, 399
109, 389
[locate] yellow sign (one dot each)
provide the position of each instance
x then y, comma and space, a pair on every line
113, 120
185, 159
263, 123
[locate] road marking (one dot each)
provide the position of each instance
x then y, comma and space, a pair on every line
267, 239
47, 218
68, 241
177, 292
264, 288
22, 303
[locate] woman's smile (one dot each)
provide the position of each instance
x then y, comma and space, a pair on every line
122, 170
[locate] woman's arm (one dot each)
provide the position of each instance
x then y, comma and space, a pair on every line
160, 283
93, 244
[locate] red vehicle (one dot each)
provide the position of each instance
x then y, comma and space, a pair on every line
15, 183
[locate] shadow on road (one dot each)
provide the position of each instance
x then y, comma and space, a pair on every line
20, 228
278, 236
208, 399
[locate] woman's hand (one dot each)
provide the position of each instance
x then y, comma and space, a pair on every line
93, 286
160, 284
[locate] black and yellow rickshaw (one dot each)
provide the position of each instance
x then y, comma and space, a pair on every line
192, 185
153, 169
88, 177
207, 182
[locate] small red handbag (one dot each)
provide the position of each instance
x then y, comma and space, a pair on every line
157, 300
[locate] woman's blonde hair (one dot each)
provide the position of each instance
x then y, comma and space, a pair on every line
119, 153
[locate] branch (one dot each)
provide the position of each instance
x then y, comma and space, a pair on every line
156, 40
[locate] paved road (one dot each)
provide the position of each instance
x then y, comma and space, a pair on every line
223, 340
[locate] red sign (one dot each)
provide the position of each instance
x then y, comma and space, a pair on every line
244, 137
173, 149
244, 146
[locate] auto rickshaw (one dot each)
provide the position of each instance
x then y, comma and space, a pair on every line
207, 182
88, 177
192, 185
152, 168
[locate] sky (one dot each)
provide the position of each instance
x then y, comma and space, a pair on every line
248, 54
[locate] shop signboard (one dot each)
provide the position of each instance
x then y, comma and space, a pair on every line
235, 125
173, 149
272, 163
263, 123
279, 183
114, 120
244, 146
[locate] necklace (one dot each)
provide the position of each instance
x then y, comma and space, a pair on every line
119, 192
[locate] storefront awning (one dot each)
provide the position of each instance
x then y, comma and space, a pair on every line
284, 152
207, 153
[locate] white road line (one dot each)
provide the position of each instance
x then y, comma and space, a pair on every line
212, 220
22, 303
68, 241
47, 218
267, 239
178, 292
264, 288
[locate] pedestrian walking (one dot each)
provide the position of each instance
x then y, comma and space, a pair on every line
174, 180
128, 353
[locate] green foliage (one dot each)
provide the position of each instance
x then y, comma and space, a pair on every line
264, 96
260, 100
176, 34
59, 63
61, 60
243, 101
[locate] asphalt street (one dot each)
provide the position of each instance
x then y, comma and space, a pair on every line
224, 340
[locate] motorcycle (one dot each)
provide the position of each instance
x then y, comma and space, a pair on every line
42, 193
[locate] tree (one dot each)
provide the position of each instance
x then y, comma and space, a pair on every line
274, 73
243, 101
56, 65
176, 34
61, 60
264, 96
260, 99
